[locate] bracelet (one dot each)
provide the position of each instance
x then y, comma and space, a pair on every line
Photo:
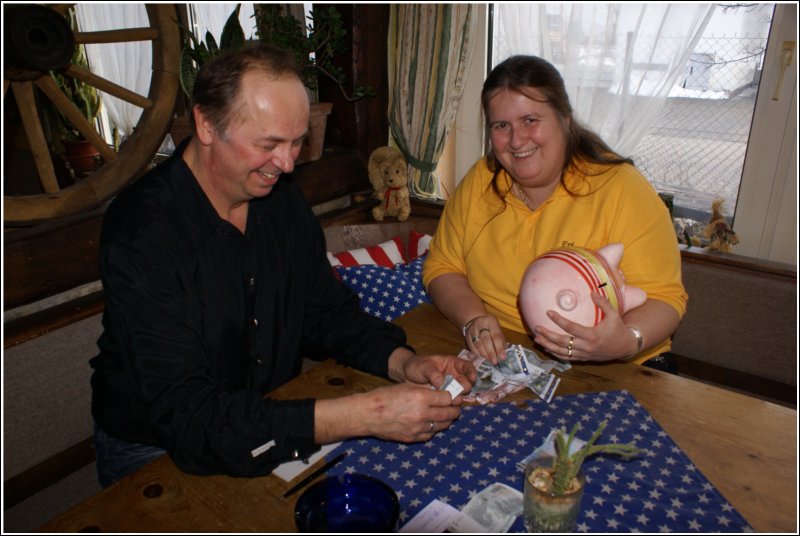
639, 339
467, 326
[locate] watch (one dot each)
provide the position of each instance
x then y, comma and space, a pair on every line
639, 339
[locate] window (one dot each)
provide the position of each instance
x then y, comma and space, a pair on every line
695, 147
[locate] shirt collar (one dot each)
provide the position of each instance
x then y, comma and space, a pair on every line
193, 202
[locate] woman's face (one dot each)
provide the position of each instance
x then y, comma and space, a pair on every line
528, 137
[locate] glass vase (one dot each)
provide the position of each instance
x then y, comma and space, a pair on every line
543, 511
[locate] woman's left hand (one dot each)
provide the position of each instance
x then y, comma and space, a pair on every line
610, 339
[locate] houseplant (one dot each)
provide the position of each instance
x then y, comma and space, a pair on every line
553, 485
314, 45
325, 38
64, 138
195, 53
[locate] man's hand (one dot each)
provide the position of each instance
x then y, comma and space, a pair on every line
432, 369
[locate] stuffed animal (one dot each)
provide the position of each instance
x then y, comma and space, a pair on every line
388, 174
718, 232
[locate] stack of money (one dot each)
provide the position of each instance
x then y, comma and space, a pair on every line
521, 368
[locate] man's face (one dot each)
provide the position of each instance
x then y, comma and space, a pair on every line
263, 139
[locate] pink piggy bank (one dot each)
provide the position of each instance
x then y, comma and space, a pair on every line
562, 280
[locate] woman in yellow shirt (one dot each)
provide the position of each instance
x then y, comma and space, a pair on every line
546, 183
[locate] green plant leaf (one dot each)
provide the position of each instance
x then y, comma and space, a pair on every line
187, 72
232, 33
211, 43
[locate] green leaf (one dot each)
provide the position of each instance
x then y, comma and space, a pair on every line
211, 43
187, 72
232, 33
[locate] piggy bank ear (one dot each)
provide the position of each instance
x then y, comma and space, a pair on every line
612, 253
634, 297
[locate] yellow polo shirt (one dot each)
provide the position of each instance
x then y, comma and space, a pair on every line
492, 242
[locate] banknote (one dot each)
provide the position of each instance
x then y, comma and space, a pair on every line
520, 368
452, 386
544, 386
548, 448
495, 507
547, 365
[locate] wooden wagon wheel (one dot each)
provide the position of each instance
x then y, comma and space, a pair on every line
39, 40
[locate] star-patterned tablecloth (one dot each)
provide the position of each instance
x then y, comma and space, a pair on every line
658, 491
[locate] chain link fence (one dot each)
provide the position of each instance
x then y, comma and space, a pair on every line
696, 146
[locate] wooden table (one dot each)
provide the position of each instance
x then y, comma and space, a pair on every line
746, 447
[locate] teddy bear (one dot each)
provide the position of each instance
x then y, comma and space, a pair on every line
388, 174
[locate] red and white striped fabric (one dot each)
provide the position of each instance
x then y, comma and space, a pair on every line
386, 254
418, 244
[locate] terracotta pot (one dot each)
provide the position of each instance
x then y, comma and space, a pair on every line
314, 142
543, 511
81, 156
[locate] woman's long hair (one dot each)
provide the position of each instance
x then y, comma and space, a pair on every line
520, 74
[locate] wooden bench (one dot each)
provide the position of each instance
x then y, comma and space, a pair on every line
740, 327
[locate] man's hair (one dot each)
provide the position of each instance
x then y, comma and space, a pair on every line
216, 89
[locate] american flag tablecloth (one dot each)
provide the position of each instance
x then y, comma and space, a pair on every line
659, 491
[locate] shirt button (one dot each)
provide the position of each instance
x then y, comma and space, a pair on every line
258, 361
251, 281
255, 322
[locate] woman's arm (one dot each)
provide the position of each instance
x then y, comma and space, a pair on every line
456, 300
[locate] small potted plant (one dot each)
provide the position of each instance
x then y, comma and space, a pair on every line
553, 486
314, 46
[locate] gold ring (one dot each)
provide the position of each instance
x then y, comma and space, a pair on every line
569, 346
482, 330
430, 430
569, 353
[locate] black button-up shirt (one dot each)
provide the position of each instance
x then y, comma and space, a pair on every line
202, 320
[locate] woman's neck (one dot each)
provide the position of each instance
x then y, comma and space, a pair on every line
533, 197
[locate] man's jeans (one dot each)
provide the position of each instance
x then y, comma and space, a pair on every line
117, 458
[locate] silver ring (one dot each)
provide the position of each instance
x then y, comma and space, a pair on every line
475, 338
430, 430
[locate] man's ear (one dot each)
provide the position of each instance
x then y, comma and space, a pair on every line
204, 128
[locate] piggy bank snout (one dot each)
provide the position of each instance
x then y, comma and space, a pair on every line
567, 299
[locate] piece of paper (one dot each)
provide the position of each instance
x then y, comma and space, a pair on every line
441, 517
290, 470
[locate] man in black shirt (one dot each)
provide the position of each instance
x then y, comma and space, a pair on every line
216, 279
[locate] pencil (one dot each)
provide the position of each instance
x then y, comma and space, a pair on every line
307, 480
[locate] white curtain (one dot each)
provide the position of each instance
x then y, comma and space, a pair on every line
619, 61
126, 64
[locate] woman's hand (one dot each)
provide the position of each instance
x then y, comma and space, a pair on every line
453, 296
608, 340
484, 337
